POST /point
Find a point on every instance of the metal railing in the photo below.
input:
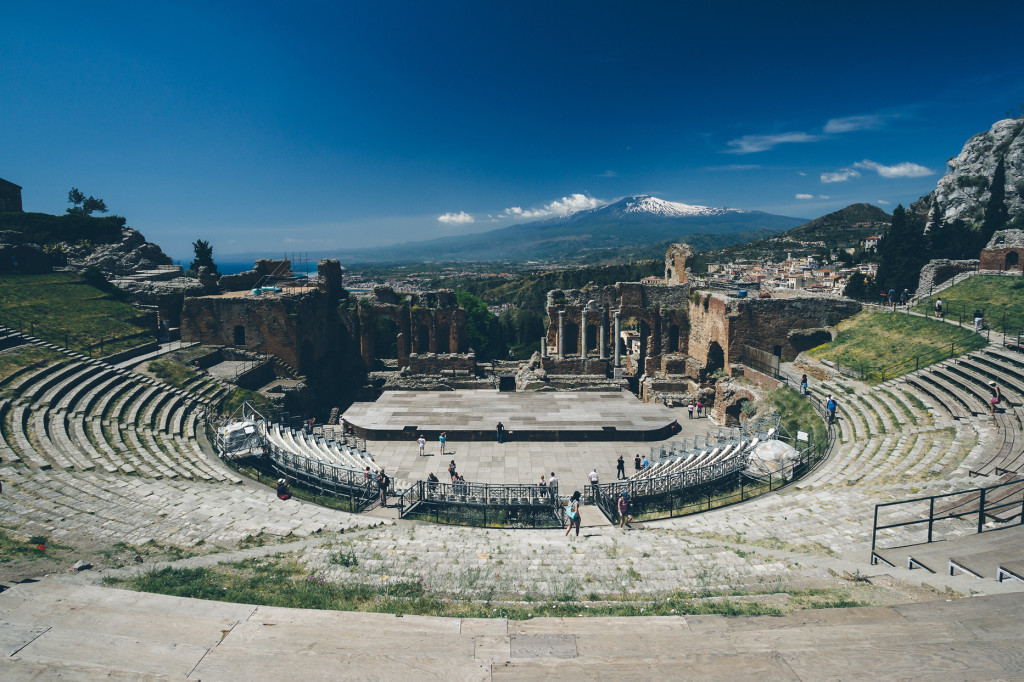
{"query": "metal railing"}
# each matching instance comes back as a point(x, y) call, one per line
point(327, 479)
point(977, 504)
point(521, 505)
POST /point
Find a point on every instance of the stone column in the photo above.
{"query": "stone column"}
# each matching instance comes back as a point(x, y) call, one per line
point(561, 334)
point(543, 346)
point(583, 333)
point(617, 340)
point(602, 351)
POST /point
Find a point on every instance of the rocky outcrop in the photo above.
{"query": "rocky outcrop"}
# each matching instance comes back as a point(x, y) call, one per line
point(131, 254)
point(965, 189)
point(17, 256)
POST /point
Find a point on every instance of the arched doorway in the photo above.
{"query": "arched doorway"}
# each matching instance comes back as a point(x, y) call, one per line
point(716, 359)
point(1012, 259)
point(422, 338)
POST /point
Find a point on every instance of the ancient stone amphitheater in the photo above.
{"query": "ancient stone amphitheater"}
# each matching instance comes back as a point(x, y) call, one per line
point(94, 454)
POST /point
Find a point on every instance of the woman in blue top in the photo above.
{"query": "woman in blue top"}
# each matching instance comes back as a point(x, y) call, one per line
point(442, 439)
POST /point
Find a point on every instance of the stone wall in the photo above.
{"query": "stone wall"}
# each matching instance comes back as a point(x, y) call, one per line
point(770, 323)
point(1004, 252)
point(438, 364)
point(937, 271)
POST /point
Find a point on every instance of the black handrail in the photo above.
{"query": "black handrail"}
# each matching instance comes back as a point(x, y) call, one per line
point(983, 509)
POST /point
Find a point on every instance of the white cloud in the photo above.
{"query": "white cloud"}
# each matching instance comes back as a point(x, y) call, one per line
point(804, 196)
point(842, 175)
point(824, 196)
point(460, 217)
point(849, 124)
point(564, 206)
point(883, 202)
point(749, 144)
point(608, 174)
point(900, 170)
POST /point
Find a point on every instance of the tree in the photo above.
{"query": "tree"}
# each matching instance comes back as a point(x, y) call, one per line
point(482, 327)
point(204, 257)
point(902, 252)
point(857, 287)
point(83, 205)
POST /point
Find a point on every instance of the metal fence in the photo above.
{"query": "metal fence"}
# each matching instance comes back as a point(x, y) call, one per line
point(485, 504)
point(1002, 501)
point(327, 479)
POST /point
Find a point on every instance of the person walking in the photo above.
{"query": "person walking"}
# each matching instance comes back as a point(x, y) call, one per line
point(978, 319)
point(905, 298)
point(646, 463)
point(594, 480)
point(573, 512)
point(831, 405)
point(623, 510)
point(620, 468)
point(383, 482)
point(689, 411)
point(938, 308)
point(451, 470)
point(442, 439)
point(803, 385)
point(553, 487)
point(543, 485)
point(892, 299)
point(637, 466)
point(501, 433)
point(422, 442)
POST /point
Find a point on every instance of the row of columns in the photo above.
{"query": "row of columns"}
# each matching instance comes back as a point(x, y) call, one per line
point(602, 338)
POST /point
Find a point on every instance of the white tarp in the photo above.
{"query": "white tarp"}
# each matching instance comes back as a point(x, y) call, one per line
point(771, 457)
point(235, 435)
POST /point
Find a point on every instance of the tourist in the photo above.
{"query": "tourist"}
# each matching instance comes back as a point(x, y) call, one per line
point(978, 319)
point(573, 512)
point(442, 439)
point(367, 476)
point(646, 463)
point(892, 298)
point(997, 396)
point(432, 481)
point(689, 411)
point(382, 482)
point(637, 465)
point(885, 298)
point(282, 490)
point(553, 487)
point(543, 484)
point(623, 510)
point(593, 479)
point(422, 442)
point(831, 405)
point(905, 298)
point(700, 406)
point(803, 385)
point(451, 470)
point(938, 308)
point(620, 468)
point(501, 433)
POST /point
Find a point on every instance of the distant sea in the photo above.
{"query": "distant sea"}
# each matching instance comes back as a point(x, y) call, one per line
point(232, 267)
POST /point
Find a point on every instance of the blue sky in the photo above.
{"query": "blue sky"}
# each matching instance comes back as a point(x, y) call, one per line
point(310, 126)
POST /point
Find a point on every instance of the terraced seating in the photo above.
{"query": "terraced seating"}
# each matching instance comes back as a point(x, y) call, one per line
point(951, 404)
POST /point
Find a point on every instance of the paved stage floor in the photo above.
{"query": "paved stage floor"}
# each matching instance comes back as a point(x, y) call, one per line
point(521, 412)
point(524, 462)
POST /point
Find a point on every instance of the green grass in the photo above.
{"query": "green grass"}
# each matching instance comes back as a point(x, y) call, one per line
point(797, 414)
point(14, 548)
point(15, 358)
point(873, 341)
point(996, 296)
point(62, 309)
point(173, 373)
point(273, 582)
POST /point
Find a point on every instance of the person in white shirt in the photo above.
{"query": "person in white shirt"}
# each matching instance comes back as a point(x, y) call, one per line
point(423, 445)
point(594, 479)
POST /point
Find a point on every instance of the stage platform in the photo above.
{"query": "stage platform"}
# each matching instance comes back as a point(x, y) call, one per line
point(527, 416)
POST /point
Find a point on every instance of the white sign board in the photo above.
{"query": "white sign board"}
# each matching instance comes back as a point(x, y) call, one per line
point(802, 435)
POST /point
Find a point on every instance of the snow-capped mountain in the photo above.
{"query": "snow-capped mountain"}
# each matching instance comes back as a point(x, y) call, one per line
point(628, 226)
point(653, 206)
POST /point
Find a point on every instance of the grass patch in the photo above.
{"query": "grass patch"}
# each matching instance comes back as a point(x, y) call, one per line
point(61, 308)
point(15, 358)
point(283, 582)
point(238, 396)
point(995, 296)
point(171, 372)
point(872, 341)
point(797, 414)
point(14, 548)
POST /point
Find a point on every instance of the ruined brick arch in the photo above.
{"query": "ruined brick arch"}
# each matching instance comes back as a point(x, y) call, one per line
point(731, 411)
point(1012, 260)
point(715, 358)
point(443, 338)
